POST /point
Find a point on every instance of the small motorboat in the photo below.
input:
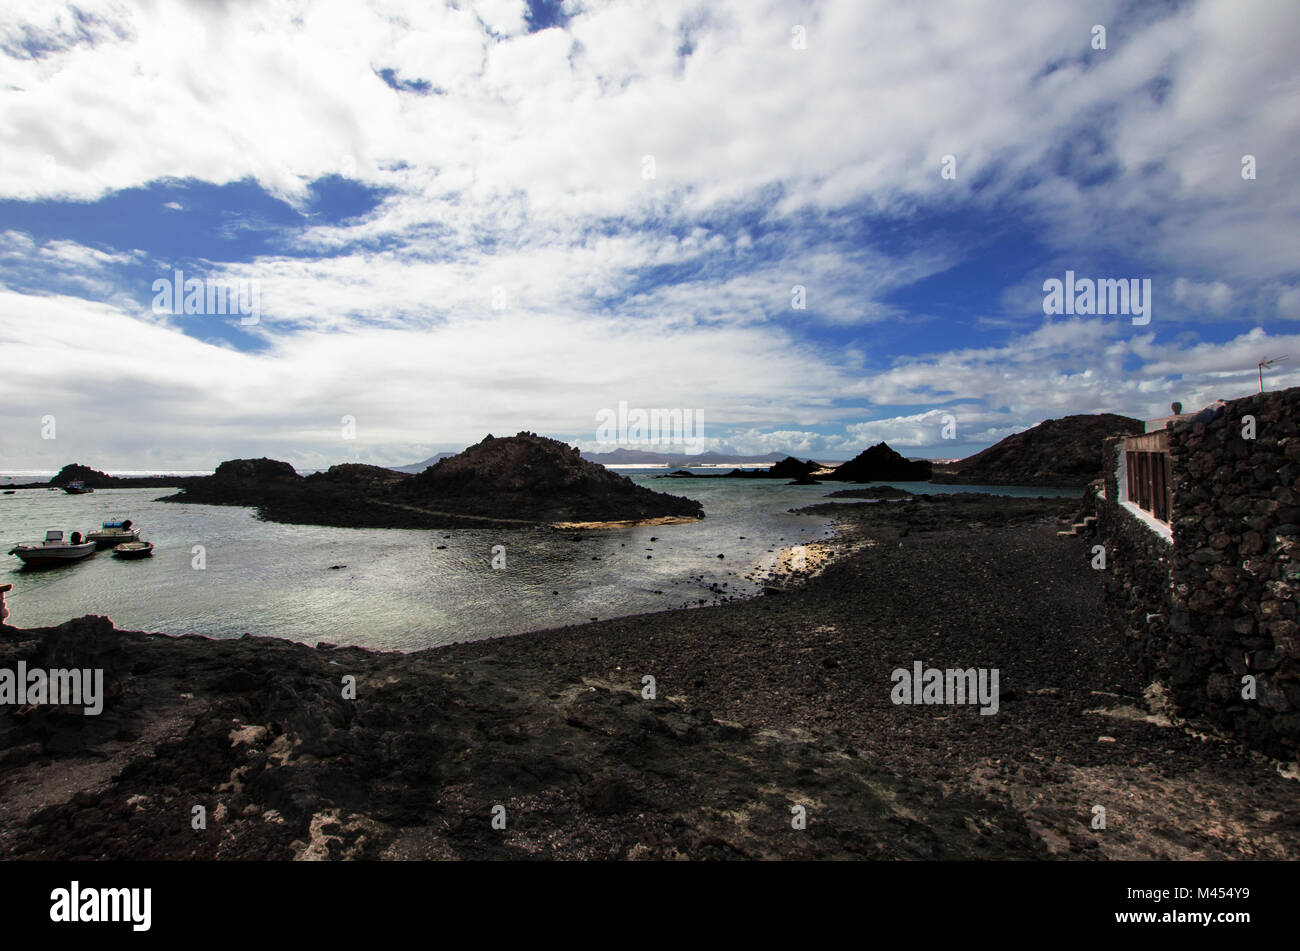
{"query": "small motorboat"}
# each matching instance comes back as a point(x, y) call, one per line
point(10, 491)
point(54, 550)
point(133, 550)
point(115, 532)
point(77, 488)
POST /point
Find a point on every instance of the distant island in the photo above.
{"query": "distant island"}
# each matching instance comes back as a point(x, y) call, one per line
point(94, 479)
point(877, 464)
point(641, 457)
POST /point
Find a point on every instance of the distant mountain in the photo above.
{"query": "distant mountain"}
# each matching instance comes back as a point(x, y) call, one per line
point(640, 457)
point(415, 468)
point(1062, 452)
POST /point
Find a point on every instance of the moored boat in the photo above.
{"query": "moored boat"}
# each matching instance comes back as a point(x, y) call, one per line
point(54, 550)
point(115, 532)
point(133, 550)
point(77, 488)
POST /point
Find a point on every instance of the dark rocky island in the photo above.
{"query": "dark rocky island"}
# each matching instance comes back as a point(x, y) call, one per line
point(1064, 453)
point(881, 464)
point(94, 479)
point(519, 480)
point(533, 478)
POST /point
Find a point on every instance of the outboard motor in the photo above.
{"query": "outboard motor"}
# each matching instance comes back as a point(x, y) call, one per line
point(76, 538)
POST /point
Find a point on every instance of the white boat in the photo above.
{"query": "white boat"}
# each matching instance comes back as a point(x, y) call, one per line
point(115, 532)
point(77, 488)
point(54, 550)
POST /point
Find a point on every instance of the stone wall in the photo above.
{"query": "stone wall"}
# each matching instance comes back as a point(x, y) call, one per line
point(1218, 603)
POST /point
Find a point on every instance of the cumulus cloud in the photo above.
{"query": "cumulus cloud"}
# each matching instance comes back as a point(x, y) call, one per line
point(621, 207)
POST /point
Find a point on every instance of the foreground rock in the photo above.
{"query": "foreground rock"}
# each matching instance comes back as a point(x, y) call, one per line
point(762, 705)
point(1062, 452)
point(257, 732)
point(520, 480)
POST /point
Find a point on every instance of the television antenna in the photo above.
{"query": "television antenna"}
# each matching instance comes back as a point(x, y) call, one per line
point(1269, 364)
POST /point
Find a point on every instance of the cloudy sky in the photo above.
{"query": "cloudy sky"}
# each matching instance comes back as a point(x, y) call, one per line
point(496, 215)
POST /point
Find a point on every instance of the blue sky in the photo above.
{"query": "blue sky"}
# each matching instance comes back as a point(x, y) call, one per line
point(509, 215)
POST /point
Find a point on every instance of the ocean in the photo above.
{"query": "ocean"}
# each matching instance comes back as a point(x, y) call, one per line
point(399, 589)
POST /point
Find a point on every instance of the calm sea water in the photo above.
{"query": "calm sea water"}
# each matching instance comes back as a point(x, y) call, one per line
point(400, 589)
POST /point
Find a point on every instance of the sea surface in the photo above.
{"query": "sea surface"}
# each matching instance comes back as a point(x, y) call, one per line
point(402, 589)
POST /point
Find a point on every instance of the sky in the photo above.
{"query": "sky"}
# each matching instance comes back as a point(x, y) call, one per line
point(816, 225)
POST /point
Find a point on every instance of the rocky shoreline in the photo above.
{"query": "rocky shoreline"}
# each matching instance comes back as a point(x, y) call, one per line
point(761, 706)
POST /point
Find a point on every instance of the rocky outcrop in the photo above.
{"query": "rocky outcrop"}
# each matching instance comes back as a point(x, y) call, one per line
point(880, 464)
point(75, 472)
point(792, 468)
point(288, 765)
point(520, 480)
point(93, 478)
point(533, 478)
point(1062, 452)
point(356, 474)
point(253, 471)
point(787, 468)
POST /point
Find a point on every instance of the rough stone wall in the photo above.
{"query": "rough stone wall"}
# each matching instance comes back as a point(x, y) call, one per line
point(1138, 570)
point(1219, 603)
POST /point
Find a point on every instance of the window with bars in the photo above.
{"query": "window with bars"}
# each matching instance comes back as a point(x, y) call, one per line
point(1149, 474)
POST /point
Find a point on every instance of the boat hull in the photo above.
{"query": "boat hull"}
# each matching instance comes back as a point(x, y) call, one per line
point(42, 557)
point(134, 550)
point(111, 539)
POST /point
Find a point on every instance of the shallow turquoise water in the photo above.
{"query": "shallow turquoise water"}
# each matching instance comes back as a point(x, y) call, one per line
point(398, 589)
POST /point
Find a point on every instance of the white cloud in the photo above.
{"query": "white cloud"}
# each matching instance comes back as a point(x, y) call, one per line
point(1288, 303)
point(564, 117)
point(1215, 297)
point(520, 167)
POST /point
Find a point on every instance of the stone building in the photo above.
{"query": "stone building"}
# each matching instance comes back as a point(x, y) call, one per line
point(1201, 528)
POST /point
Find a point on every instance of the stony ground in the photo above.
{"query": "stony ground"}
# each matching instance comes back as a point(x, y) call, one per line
point(761, 706)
